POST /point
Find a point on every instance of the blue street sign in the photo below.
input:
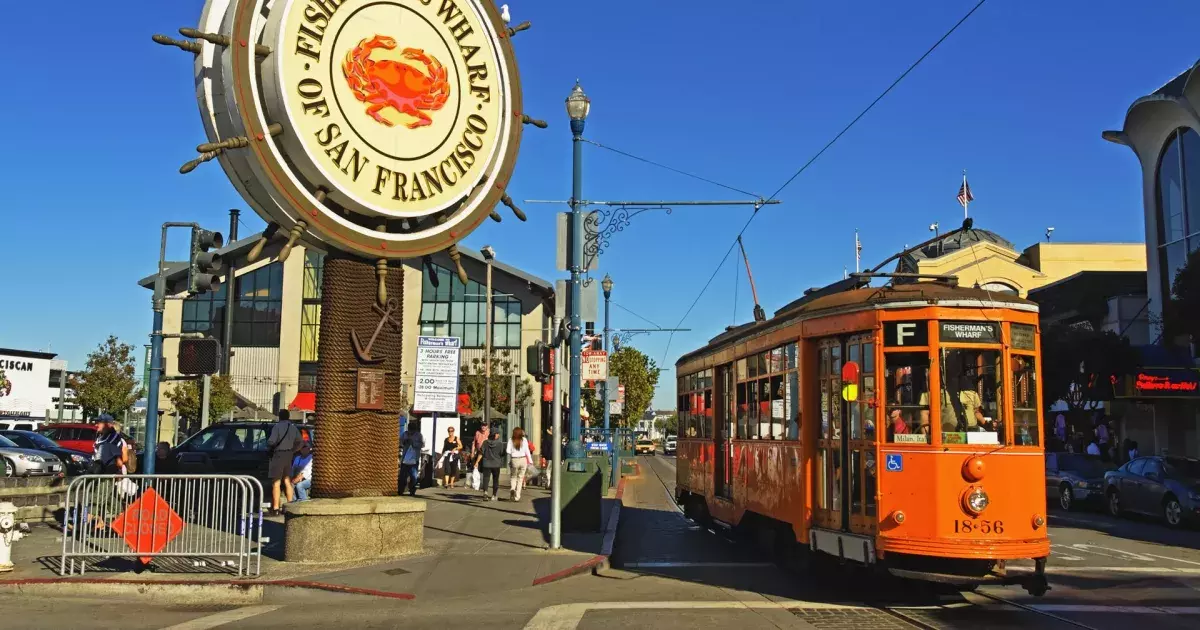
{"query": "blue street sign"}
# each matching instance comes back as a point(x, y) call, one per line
point(598, 446)
point(895, 462)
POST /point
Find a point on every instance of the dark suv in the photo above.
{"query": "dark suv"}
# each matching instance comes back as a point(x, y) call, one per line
point(232, 448)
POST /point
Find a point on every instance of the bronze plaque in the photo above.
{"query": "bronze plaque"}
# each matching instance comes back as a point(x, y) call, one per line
point(370, 390)
point(1022, 337)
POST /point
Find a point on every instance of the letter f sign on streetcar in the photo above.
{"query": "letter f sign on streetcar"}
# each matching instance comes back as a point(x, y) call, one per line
point(907, 334)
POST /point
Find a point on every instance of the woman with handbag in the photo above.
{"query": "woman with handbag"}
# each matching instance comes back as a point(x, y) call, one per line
point(518, 463)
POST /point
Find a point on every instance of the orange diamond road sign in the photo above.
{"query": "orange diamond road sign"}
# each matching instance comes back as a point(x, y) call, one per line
point(148, 524)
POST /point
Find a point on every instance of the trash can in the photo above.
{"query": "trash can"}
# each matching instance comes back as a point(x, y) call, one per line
point(582, 488)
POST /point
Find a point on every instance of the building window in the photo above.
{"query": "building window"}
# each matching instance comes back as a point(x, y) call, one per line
point(451, 309)
point(1000, 287)
point(205, 313)
point(260, 303)
point(1178, 203)
point(310, 314)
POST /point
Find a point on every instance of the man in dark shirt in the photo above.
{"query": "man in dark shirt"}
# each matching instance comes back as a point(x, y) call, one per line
point(281, 444)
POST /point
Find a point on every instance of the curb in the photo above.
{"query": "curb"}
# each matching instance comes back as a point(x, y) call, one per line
point(181, 591)
point(599, 563)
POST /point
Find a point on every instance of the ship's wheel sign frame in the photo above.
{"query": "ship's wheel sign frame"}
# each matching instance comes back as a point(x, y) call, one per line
point(382, 128)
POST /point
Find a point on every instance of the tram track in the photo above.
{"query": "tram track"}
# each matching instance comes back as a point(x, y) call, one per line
point(910, 615)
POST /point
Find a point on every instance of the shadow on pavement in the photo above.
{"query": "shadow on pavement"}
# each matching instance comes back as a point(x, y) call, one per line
point(1129, 527)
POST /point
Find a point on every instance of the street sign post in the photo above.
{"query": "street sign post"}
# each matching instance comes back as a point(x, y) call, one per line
point(437, 374)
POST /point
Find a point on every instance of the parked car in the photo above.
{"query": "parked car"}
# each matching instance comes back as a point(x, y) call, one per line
point(74, 462)
point(27, 462)
point(234, 448)
point(1073, 479)
point(669, 445)
point(78, 436)
point(644, 446)
point(1166, 487)
point(23, 424)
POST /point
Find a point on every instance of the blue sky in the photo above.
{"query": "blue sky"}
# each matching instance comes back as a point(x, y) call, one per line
point(99, 118)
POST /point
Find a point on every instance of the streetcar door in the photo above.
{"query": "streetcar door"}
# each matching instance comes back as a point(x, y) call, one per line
point(724, 417)
point(846, 475)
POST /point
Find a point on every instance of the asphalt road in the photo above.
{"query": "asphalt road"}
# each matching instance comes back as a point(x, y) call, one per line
point(1105, 573)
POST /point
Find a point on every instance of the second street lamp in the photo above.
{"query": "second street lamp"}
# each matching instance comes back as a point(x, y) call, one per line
point(578, 106)
point(607, 285)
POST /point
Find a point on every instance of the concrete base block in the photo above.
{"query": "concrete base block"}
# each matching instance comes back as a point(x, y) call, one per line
point(357, 528)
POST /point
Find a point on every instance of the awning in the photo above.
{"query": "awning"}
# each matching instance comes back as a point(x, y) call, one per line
point(304, 401)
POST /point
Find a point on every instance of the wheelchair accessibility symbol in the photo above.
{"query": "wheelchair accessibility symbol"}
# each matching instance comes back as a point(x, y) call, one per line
point(895, 462)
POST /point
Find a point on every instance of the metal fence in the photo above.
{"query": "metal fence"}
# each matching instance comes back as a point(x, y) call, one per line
point(201, 518)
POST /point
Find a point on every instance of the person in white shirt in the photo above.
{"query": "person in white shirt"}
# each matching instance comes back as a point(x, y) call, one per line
point(519, 458)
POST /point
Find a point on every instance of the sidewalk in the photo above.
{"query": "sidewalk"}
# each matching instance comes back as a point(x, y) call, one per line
point(471, 547)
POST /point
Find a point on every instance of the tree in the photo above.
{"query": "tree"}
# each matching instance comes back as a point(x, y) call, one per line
point(1080, 365)
point(1182, 312)
point(187, 395)
point(638, 373)
point(668, 425)
point(109, 384)
point(473, 383)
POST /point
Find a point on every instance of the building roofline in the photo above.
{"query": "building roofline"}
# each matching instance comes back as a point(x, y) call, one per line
point(1080, 274)
point(29, 354)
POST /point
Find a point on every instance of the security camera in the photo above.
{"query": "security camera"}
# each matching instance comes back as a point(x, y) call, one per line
point(488, 252)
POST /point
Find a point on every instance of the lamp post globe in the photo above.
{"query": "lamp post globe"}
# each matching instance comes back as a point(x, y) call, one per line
point(607, 285)
point(578, 106)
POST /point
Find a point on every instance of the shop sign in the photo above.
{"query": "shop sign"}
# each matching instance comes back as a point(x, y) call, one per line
point(1166, 383)
point(387, 129)
point(969, 332)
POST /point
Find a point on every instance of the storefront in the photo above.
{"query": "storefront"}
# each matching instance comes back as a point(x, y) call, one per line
point(25, 384)
point(1159, 406)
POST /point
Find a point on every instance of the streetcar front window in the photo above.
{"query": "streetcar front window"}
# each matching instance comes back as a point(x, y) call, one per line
point(971, 397)
point(907, 389)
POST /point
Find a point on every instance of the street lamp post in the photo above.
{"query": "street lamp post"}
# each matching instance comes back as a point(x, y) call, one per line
point(578, 106)
point(489, 255)
point(607, 285)
point(614, 444)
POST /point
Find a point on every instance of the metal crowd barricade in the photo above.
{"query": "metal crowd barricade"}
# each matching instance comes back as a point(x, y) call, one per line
point(201, 518)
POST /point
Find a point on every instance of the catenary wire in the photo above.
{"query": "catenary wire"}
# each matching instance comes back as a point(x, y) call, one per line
point(634, 314)
point(672, 169)
point(814, 158)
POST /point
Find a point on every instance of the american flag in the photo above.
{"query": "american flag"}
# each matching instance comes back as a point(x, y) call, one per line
point(964, 193)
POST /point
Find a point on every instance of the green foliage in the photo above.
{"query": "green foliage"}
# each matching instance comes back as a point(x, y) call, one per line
point(474, 383)
point(668, 425)
point(1182, 313)
point(186, 397)
point(109, 384)
point(1078, 364)
point(638, 374)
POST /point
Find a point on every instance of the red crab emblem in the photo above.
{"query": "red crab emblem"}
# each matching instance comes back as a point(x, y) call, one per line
point(387, 83)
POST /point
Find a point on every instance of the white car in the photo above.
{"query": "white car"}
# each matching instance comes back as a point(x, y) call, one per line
point(25, 462)
point(21, 425)
point(669, 445)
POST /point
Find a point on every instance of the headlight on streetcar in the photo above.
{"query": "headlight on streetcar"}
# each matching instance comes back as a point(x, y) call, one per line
point(975, 501)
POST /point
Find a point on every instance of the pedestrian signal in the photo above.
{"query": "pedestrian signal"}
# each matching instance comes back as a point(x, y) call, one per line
point(198, 357)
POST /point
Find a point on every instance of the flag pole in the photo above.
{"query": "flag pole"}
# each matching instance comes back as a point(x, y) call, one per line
point(857, 253)
point(965, 202)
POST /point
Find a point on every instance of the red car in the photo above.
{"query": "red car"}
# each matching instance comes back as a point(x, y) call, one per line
point(79, 436)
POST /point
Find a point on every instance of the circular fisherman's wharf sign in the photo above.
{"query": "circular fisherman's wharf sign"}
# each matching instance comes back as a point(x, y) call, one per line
point(386, 128)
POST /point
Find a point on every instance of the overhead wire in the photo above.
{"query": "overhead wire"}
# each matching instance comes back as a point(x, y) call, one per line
point(815, 157)
point(634, 314)
point(672, 169)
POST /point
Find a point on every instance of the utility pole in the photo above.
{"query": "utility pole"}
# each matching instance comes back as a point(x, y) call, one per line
point(205, 396)
point(230, 274)
point(578, 106)
point(556, 453)
point(62, 392)
point(488, 255)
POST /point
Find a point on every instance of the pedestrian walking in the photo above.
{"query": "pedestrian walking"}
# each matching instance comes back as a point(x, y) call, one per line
point(451, 454)
point(411, 445)
point(488, 461)
point(481, 435)
point(519, 458)
point(282, 444)
point(110, 452)
point(548, 454)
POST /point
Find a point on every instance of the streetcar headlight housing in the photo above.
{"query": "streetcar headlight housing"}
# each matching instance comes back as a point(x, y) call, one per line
point(1038, 521)
point(975, 501)
point(898, 516)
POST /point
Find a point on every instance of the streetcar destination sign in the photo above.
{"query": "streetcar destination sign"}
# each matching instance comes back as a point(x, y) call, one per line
point(384, 128)
point(436, 387)
point(970, 332)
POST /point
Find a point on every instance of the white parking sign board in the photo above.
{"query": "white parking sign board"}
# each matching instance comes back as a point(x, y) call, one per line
point(437, 374)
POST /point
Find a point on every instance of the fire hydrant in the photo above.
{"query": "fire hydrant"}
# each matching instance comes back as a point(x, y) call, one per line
point(9, 534)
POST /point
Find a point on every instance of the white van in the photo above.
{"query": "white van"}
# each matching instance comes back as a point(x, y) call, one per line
point(21, 424)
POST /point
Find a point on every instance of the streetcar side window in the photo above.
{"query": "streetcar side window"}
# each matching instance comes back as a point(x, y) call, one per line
point(1025, 401)
point(742, 411)
point(971, 397)
point(906, 376)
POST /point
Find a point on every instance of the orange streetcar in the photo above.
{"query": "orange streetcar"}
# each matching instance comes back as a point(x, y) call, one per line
point(898, 427)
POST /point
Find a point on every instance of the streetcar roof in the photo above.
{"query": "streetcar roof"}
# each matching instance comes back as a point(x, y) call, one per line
point(830, 300)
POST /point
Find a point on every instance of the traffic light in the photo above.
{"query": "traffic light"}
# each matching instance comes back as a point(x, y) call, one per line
point(198, 357)
point(203, 272)
point(537, 361)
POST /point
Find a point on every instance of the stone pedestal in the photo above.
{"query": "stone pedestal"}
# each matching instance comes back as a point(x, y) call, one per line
point(357, 528)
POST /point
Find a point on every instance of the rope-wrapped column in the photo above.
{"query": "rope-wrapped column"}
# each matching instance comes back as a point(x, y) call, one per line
point(356, 452)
